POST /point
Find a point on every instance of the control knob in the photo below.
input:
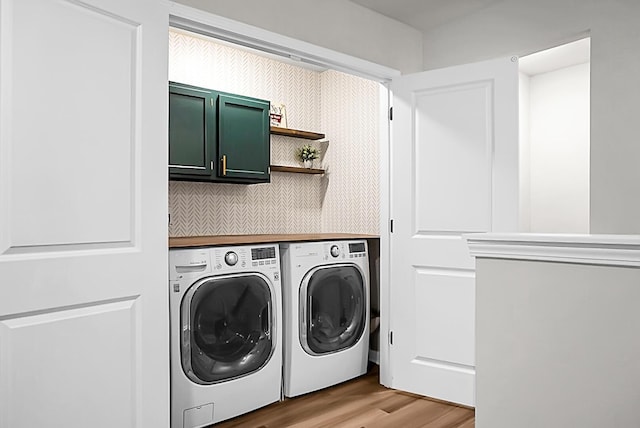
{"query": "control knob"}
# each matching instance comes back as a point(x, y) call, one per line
point(231, 258)
point(335, 250)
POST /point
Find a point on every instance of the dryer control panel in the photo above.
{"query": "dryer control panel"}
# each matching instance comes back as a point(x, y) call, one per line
point(357, 249)
point(334, 251)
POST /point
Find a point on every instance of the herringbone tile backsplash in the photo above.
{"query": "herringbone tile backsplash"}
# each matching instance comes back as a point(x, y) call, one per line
point(342, 106)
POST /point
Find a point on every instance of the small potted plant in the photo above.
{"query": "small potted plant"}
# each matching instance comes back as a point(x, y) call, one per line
point(307, 154)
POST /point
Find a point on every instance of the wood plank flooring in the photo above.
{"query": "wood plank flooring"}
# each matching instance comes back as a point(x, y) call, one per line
point(360, 403)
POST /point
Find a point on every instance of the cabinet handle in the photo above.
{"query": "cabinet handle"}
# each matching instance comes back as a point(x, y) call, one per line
point(224, 164)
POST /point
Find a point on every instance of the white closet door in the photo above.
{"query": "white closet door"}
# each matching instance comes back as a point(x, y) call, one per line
point(83, 214)
point(454, 170)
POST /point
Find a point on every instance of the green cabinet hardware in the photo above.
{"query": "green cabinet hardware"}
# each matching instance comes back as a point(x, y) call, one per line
point(217, 137)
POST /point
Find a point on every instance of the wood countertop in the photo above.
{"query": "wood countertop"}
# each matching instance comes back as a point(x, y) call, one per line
point(207, 241)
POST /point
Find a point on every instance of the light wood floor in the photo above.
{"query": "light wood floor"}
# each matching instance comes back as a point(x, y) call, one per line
point(360, 403)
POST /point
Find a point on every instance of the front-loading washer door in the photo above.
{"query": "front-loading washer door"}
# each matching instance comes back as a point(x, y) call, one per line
point(332, 309)
point(227, 327)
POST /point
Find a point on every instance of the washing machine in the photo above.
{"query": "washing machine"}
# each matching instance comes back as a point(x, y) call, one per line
point(326, 313)
point(226, 332)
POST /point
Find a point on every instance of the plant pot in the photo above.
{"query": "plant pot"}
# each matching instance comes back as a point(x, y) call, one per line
point(308, 163)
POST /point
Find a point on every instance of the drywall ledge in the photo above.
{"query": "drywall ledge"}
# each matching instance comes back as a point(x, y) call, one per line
point(608, 250)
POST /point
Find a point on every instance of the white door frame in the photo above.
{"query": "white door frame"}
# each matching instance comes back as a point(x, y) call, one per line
point(198, 21)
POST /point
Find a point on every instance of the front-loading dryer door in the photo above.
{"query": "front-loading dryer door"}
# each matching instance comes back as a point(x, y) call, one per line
point(227, 327)
point(332, 308)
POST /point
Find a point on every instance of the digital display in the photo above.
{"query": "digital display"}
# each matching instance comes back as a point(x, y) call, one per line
point(263, 253)
point(356, 248)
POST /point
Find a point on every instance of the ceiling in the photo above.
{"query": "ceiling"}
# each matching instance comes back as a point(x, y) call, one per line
point(425, 14)
point(567, 55)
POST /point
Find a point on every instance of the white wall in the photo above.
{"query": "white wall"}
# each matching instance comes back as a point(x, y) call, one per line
point(557, 345)
point(518, 27)
point(334, 24)
point(524, 154)
point(558, 149)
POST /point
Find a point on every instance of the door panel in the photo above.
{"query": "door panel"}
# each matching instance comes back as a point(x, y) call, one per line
point(444, 328)
point(83, 134)
point(453, 171)
point(453, 147)
point(76, 132)
point(62, 350)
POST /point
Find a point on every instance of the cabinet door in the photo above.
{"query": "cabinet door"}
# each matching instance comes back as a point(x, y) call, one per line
point(243, 138)
point(192, 131)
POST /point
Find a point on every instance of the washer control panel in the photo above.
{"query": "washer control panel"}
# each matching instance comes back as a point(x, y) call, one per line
point(242, 257)
point(262, 256)
point(229, 258)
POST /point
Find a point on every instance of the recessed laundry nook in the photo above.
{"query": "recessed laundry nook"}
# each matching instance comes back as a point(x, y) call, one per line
point(274, 262)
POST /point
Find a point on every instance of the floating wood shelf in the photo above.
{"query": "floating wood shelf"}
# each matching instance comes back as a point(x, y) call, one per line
point(297, 170)
point(296, 133)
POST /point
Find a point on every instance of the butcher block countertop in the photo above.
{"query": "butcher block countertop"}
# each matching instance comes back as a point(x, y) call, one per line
point(207, 241)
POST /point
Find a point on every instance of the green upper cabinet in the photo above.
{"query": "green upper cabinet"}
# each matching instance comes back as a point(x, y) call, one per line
point(243, 137)
point(192, 131)
point(218, 137)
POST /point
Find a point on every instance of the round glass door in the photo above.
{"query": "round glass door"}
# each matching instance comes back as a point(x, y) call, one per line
point(229, 321)
point(333, 304)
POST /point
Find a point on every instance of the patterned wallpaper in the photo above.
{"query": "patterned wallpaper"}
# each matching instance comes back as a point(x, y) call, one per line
point(343, 107)
point(350, 114)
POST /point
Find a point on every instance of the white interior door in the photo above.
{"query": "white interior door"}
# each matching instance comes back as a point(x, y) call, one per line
point(454, 170)
point(83, 214)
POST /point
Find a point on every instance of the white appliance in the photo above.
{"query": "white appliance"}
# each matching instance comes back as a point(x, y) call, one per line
point(226, 332)
point(326, 313)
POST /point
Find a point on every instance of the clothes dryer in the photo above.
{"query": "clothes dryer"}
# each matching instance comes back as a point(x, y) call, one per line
point(326, 313)
point(226, 332)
